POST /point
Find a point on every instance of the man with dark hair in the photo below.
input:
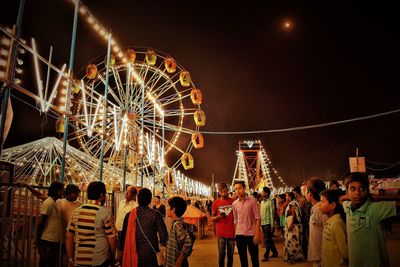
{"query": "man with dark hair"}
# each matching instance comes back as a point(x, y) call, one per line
point(366, 240)
point(49, 232)
point(159, 206)
point(91, 236)
point(66, 207)
point(125, 206)
point(97, 191)
point(256, 195)
point(317, 221)
point(267, 214)
point(180, 242)
point(222, 216)
point(247, 221)
point(148, 224)
point(334, 184)
point(68, 204)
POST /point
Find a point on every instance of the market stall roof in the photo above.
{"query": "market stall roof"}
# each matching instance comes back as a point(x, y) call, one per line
point(193, 212)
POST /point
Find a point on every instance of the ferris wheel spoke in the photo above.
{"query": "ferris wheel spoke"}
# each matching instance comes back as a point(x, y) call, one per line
point(153, 79)
point(135, 99)
point(166, 87)
point(166, 141)
point(175, 128)
point(132, 89)
point(111, 91)
point(178, 112)
point(92, 144)
point(172, 99)
point(150, 121)
point(118, 82)
point(109, 147)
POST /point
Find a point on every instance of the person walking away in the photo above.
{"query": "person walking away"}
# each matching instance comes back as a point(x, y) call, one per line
point(317, 221)
point(292, 251)
point(334, 240)
point(124, 207)
point(49, 232)
point(222, 216)
point(366, 240)
point(267, 212)
point(159, 206)
point(247, 221)
point(141, 226)
point(91, 234)
point(181, 236)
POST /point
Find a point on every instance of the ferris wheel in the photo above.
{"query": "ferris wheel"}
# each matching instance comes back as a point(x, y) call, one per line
point(153, 108)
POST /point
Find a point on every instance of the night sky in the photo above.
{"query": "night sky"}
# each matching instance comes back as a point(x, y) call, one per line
point(340, 60)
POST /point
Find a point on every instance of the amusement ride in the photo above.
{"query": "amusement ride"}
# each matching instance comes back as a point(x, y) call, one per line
point(127, 109)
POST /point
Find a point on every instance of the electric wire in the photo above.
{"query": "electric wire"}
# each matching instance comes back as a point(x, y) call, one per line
point(299, 128)
point(383, 169)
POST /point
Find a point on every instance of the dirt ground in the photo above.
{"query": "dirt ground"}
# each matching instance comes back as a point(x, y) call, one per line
point(205, 252)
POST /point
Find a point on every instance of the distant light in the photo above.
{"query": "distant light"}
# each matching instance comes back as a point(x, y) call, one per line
point(288, 25)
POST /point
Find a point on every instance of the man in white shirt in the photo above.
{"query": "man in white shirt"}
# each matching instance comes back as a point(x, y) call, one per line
point(65, 207)
point(125, 206)
point(48, 233)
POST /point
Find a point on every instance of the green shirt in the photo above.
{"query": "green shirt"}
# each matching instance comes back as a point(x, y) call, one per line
point(334, 243)
point(367, 243)
point(267, 212)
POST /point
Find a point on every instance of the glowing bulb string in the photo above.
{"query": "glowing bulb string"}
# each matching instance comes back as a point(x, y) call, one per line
point(299, 128)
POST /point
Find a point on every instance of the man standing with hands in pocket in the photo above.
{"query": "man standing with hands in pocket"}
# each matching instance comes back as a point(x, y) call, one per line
point(247, 221)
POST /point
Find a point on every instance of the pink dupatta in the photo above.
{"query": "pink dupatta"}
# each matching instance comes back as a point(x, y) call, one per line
point(130, 258)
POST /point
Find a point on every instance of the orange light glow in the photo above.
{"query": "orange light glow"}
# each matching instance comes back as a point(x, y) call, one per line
point(287, 25)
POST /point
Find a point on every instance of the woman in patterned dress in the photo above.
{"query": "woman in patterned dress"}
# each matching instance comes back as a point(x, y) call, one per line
point(292, 250)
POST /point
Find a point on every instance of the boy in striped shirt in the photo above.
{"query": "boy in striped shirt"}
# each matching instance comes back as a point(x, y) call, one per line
point(91, 233)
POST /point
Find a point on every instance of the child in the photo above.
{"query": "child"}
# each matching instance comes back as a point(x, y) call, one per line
point(334, 244)
point(366, 241)
point(181, 237)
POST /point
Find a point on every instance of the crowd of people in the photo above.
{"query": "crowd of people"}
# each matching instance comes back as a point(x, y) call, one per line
point(72, 233)
point(328, 227)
